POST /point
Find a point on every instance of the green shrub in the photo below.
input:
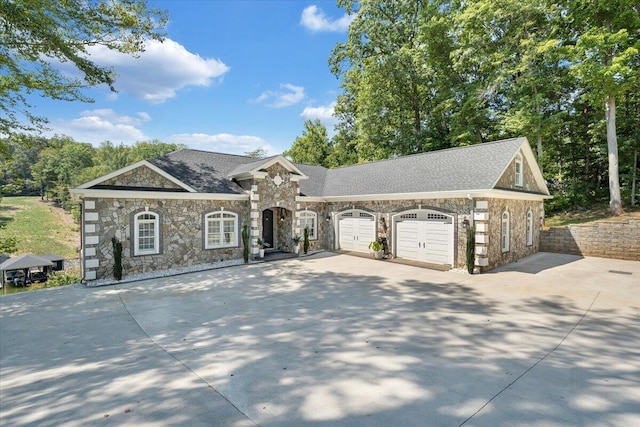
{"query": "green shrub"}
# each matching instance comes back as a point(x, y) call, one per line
point(245, 243)
point(471, 248)
point(62, 278)
point(305, 243)
point(117, 258)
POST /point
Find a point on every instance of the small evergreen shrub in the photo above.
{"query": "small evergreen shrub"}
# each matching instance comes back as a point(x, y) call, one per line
point(117, 258)
point(305, 243)
point(471, 248)
point(245, 243)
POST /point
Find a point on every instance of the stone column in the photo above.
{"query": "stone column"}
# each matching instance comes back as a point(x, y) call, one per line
point(254, 197)
point(481, 220)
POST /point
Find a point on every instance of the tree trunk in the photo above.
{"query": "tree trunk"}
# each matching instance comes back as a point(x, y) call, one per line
point(615, 201)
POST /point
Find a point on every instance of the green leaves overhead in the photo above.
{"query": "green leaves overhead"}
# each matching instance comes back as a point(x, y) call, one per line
point(420, 75)
point(39, 35)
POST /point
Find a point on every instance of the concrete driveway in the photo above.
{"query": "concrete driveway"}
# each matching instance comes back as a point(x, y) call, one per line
point(331, 340)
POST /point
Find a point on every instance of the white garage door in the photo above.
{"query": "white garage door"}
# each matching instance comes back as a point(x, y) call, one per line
point(356, 229)
point(425, 237)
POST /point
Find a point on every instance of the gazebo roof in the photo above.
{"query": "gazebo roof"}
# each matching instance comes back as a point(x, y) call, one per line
point(24, 261)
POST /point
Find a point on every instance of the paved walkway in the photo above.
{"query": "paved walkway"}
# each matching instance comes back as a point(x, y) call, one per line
point(331, 340)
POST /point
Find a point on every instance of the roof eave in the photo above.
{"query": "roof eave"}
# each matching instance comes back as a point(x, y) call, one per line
point(137, 194)
point(457, 194)
point(131, 167)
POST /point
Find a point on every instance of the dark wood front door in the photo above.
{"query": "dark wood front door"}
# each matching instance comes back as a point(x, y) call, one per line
point(267, 227)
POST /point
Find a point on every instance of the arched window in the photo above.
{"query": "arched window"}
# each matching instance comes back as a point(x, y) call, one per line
point(505, 232)
point(146, 233)
point(221, 230)
point(309, 219)
point(518, 170)
point(529, 228)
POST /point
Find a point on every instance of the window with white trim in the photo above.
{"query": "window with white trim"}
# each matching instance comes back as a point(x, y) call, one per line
point(505, 232)
point(146, 233)
point(518, 170)
point(309, 219)
point(529, 228)
point(221, 230)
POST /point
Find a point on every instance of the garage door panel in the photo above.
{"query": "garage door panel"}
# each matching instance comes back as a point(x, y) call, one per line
point(347, 237)
point(425, 240)
point(355, 234)
point(407, 240)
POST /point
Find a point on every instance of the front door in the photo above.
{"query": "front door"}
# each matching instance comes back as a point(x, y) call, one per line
point(267, 227)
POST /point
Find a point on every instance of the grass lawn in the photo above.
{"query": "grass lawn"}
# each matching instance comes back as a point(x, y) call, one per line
point(589, 215)
point(39, 227)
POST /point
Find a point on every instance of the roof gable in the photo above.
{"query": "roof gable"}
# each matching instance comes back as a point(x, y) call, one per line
point(257, 168)
point(141, 164)
point(531, 162)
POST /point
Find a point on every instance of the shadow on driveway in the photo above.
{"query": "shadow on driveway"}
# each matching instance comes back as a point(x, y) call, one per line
point(331, 340)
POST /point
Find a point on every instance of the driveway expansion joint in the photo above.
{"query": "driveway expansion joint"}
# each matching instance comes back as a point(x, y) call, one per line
point(530, 368)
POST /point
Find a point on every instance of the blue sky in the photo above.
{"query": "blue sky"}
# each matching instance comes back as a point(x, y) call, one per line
point(231, 76)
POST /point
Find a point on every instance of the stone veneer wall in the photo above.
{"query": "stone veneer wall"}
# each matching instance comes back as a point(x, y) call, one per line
point(508, 179)
point(489, 226)
point(266, 193)
point(606, 239)
point(459, 208)
point(181, 229)
point(322, 242)
point(141, 177)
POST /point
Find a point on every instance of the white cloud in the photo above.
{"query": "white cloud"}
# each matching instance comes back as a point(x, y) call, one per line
point(99, 125)
point(314, 19)
point(222, 142)
point(324, 113)
point(287, 95)
point(160, 71)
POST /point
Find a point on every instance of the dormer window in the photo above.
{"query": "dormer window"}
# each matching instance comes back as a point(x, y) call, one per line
point(518, 170)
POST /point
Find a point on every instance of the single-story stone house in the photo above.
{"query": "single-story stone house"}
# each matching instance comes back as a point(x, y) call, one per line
point(188, 207)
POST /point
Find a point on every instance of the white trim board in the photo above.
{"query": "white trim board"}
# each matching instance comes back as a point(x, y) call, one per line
point(141, 194)
point(136, 166)
point(476, 194)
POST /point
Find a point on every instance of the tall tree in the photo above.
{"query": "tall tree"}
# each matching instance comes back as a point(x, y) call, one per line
point(511, 48)
point(38, 34)
point(312, 147)
point(605, 44)
point(385, 78)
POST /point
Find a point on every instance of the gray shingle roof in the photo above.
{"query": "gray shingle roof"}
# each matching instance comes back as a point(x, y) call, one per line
point(249, 166)
point(475, 167)
point(204, 171)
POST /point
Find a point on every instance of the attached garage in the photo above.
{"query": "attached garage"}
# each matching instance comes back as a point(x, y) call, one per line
point(424, 236)
point(356, 230)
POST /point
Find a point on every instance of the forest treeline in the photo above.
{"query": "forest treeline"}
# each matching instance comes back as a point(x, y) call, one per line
point(49, 167)
point(415, 76)
point(422, 75)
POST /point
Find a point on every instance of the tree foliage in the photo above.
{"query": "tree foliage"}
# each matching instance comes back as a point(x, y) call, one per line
point(312, 147)
point(50, 166)
point(421, 75)
point(38, 36)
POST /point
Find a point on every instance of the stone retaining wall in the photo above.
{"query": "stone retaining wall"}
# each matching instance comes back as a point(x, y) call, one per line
point(607, 239)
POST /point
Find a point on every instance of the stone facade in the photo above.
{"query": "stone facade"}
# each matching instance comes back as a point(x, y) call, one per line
point(606, 239)
point(142, 177)
point(508, 179)
point(276, 188)
point(181, 234)
point(277, 191)
point(518, 247)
